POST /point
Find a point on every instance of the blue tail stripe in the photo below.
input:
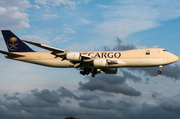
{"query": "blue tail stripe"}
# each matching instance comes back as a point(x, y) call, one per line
point(13, 43)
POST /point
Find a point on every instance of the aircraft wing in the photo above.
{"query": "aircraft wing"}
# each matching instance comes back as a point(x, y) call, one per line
point(45, 46)
point(55, 51)
point(10, 54)
point(62, 53)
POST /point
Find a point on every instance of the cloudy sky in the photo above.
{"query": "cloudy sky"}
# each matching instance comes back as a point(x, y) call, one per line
point(32, 91)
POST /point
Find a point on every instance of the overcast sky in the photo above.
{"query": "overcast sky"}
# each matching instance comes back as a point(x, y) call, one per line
point(32, 91)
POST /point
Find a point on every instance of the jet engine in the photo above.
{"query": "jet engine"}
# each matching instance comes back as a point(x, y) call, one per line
point(110, 70)
point(100, 62)
point(74, 56)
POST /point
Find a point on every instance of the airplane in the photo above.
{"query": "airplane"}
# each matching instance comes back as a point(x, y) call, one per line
point(87, 62)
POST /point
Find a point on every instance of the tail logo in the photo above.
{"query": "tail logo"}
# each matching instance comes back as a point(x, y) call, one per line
point(12, 44)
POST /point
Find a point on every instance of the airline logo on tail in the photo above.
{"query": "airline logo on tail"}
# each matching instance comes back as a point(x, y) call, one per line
point(12, 43)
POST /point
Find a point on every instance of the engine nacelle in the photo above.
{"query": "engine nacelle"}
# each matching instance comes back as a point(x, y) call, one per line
point(110, 70)
point(100, 63)
point(74, 56)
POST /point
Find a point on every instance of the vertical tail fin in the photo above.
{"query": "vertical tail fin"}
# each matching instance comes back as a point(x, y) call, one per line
point(13, 43)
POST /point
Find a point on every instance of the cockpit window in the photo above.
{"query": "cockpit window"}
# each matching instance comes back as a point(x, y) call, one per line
point(164, 50)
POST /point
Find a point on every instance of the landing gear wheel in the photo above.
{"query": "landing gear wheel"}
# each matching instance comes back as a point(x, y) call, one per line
point(160, 66)
point(93, 75)
point(85, 71)
point(82, 72)
point(159, 72)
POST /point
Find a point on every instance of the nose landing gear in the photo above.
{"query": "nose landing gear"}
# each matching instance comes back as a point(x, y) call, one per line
point(159, 72)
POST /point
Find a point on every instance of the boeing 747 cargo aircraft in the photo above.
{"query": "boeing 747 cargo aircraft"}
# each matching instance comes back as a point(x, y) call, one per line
point(93, 62)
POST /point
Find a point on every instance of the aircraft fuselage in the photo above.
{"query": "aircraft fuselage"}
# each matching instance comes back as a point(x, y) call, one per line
point(130, 58)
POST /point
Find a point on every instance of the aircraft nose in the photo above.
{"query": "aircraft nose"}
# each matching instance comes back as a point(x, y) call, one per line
point(176, 58)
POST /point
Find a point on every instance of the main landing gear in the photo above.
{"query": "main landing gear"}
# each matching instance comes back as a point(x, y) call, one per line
point(86, 71)
point(94, 73)
point(159, 72)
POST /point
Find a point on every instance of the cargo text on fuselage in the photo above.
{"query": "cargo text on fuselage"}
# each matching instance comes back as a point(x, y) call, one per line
point(103, 54)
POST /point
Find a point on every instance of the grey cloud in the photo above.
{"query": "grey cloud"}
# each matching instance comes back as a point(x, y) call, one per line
point(88, 97)
point(44, 98)
point(4, 113)
point(65, 111)
point(107, 105)
point(149, 111)
point(34, 106)
point(108, 83)
point(67, 93)
point(171, 104)
point(48, 96)
point(119, 46)
point(32, 101)
point(68, 101)
point(171, 71)
point(110, 79)
point(116, 79)
point(129, 76)
point(14, 97)
point(155, 94)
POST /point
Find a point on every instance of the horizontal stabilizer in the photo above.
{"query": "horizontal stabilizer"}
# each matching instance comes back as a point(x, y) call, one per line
point(10, 54)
